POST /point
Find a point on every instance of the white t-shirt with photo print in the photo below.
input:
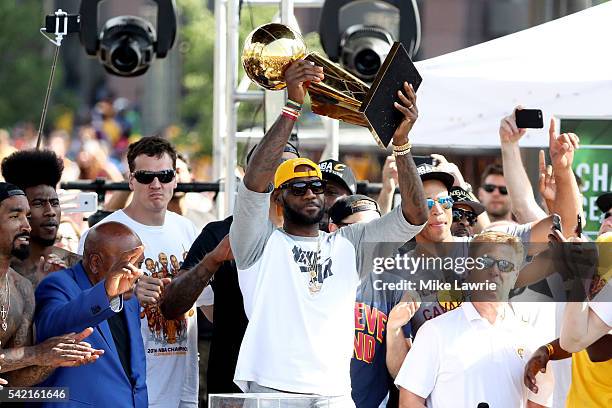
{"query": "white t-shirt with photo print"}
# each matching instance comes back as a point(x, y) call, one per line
point(171, 347)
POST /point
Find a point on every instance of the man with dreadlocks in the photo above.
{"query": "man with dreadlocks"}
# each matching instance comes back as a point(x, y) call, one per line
point(37, 172)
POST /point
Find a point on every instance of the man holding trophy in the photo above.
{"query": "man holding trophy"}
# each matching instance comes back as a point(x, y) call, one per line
point(299, 284)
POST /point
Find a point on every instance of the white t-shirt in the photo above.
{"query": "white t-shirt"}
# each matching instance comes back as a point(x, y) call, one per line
point(459, 359)
point(171, 347)
point(300, 336)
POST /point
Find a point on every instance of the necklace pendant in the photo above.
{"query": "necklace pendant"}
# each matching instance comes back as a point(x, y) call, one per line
point(314, 287)
point(4, 326)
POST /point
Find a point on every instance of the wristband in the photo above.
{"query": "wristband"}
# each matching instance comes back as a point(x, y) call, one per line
point(289, 114)
point(401, 153)
point(406, 146)
point(550, 348)
point(294, 105)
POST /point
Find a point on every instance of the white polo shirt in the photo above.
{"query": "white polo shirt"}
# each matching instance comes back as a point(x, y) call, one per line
point(459, 359)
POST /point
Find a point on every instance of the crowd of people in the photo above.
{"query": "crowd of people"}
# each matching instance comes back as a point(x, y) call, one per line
point(307, 284)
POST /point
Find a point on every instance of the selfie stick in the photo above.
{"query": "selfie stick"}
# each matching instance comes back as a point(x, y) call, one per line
point(61, 30)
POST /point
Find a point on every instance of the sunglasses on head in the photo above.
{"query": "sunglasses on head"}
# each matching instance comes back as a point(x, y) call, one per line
point(502, 264)
point(147, 177)
point(446, 202)
point(299, 188)
point(459, 213)
point(489, 188)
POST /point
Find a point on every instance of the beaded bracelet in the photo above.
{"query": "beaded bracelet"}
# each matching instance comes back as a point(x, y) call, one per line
point(405, 147)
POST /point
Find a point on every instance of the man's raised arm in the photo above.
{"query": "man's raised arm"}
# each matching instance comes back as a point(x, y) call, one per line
point(562, 149)
point(410, 185)
point(268, 153)
point(524, 205)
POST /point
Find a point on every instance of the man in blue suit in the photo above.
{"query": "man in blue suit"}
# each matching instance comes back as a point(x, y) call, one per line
point(97, 293)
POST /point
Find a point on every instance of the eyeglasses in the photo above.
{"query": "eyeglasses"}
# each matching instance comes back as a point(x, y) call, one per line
point(489, 188)
point(502, 264)
point(459, 213)
point(147, 177)
point(446, 202)
point(299, 188)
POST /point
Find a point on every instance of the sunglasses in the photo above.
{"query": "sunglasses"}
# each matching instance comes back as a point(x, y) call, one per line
point(459, 214)
point(147, 177)
point(489, 188)
point(299, 188)
point(502, 264)
point(446, 202)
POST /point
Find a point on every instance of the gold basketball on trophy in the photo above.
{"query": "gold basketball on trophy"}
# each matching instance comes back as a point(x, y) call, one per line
point(268, 51)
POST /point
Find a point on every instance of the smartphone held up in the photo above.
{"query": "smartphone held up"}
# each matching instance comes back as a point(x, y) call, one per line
point(529, 119)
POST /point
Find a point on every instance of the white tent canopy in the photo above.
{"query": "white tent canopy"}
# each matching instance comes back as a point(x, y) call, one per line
point(563, 67)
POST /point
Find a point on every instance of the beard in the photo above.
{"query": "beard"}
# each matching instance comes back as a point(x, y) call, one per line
point(298, 218)
point(42, 241)
point(21, 252)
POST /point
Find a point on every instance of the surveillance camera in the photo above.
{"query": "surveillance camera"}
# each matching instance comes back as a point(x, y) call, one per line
point(359, 33)
point(127, 45)
point(364, 48)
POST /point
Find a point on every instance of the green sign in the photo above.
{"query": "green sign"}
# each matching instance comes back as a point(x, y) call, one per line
point(592, 163)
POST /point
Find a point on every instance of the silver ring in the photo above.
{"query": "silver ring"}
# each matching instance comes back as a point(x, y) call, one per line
point(410, 107)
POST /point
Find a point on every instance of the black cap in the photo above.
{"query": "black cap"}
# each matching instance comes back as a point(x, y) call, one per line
point(289, 148)
point(339, 172)
point(604, 202)
point(349, 205)
point(429, 172)
point(9, 190)
point(460, 196)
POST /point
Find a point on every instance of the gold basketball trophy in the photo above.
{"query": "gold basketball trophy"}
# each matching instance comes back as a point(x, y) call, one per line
point(269, 49)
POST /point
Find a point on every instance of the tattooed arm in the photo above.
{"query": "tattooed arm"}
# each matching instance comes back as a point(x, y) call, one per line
point(410, 185)
point(183, 291)
point(26, 364)
point(267, 155)
point(19, 358)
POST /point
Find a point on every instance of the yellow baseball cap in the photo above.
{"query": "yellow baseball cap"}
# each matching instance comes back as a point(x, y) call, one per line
point(286, 171)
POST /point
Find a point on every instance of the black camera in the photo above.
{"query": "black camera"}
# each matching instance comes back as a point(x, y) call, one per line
point(360, 33)
point(127, 45)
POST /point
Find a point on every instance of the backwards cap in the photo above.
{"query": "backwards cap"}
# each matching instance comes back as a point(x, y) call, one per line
point(8, 190)
point(286, 171)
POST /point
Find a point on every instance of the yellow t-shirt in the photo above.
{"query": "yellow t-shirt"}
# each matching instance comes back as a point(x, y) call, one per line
point(591, 383)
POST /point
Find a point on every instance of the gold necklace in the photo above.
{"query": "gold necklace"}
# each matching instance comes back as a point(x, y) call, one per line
point(4, 312)
point(313, 284)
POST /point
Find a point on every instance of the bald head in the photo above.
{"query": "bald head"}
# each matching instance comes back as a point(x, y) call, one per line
point(110, 235)
point(104, 245)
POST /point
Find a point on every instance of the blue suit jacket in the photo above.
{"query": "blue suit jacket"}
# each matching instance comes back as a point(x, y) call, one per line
point(67, 302)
